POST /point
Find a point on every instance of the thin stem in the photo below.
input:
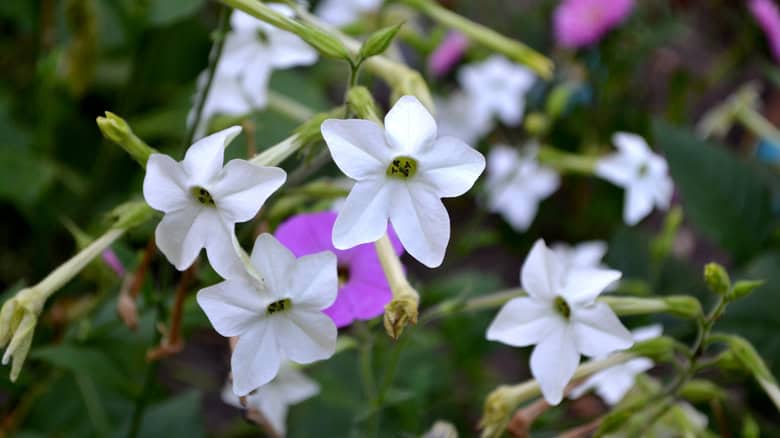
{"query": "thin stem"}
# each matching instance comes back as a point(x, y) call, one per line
point(289, 107)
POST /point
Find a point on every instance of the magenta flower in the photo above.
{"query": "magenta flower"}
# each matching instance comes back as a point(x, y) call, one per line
point(768, 17)
point(363, 288)
point(449, 52)
point(580, 23)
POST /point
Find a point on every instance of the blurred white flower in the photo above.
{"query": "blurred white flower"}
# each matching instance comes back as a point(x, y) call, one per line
point(202, 201)
point(498, 87)
point(643, 174)
point(613, 383)
point(277, 317)
point(273, 399)
point(582, 255)
point(456, 117)
point(516, 184)
point(401, 172)
point(561, 317)
point(343, 12)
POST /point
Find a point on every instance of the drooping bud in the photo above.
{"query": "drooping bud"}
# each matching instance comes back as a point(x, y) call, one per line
point(399, 313)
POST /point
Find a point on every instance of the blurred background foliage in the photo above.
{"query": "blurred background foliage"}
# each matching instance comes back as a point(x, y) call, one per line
point(62, 63)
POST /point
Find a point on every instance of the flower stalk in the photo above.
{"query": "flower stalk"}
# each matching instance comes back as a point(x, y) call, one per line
point(402, 309)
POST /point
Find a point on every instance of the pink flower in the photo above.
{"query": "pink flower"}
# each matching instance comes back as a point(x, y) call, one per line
point(110, 258)
point(768, 17)
point(449, 52)
point(580, 23)
point(363, 288)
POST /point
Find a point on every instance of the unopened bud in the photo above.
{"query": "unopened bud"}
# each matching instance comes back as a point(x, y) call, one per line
point(717, 278)
point(362, 103)
point(660, 349)
point(496, 412)
point(701, 391)
point(378, 42)
point(744, 288)
point(400, 312)
point(325, 43)
point(117, 130)
point(130, 214)
point(684, 306)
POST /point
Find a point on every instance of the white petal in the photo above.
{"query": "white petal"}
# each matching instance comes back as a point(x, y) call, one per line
point(273, 408)
point(544, 182)
point(541, 273)
point(288, 50)
point(409, 126)
point(502, 160)
point(614, 389)
point(181, 234)
point(275, 263)
point(583, 285)
point(256, 359)
point(242, 188)
point(523, 321)
point(553, 363)
point(597, 331)
point(203, 159)
point(639, 204)
point(663, 191)
point(363, 217)
point(647, 332)
point(222, 250)
point(306, 336)
point(315, 281)
point(254, 82)
point(358, 147)
point(518, 207)
point(165, 184)
point(296, 386)
point(241, 21)
point(588, 254)
point(632, 146)
point(450, 166)
point(239, 50)
point(617, 169)
point(510, 110)
point(421, 222)
point(232, 306)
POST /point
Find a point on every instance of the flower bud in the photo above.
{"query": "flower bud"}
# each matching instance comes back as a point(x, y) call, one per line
point(400, 312)
point(495, 415)
point(18, 319)
point(684, 306)
point(117, 130)
point(378, 42)
point(717, 278)
point(325, 43)
point(412, 83)
point(442, 429)
point(700, 391)
point(130, 214)
point(744, 288)
point(362, 103)
point(660, 349)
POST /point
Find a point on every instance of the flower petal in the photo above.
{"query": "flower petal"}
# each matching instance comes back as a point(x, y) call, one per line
point(541, 273)
point(450, 166)
point(553, 363)
point(203, 159)
point(232, 306)
point(274, 263)
point(307, 233)
point(288, 50)
point(181, 234)
point(409, 126)
point(632, 146)
point(358, 147)
point(314, 281)
point(523, 321)
point(242, 188)
point(256, 359)
point(165, 184)
point(639, 204)
point(597, 331)
point(363, 217)
point(296, 386)
point(222, 250)
point(306, 336)
point(583, 285)
point(617, 169)
point(422, 223)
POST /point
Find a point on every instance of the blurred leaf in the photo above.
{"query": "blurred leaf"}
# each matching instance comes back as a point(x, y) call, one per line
point(179, 416)
point(163, 12)
point(725, 198)
point(24, 177)
point(85, 360)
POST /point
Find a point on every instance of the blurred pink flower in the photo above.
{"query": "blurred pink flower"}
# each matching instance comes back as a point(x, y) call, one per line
point(110, 258)
point(768, 17)
point(363, 288)
point(449, 52)
point(580, 23)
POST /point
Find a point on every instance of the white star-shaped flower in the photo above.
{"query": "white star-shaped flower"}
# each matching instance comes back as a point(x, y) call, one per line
point(613, 383)
point(643, 174)
point(402, 171)
point(582, 255)
point(343, 12)
point(202, 201)
point(498, 87)
point(516, 184)
point(561, 317)
point(274, 399)
point(456, 117)
point(278, 317)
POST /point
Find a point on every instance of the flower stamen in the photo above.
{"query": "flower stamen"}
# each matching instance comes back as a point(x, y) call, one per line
point(279, 306)
point(562, 307)
point(203, 196)
point(402, 168)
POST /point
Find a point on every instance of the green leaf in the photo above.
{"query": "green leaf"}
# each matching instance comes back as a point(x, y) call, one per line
point(177, 416)
point(24, 177)
point(725, 198)
point(85, 360)
point(378, 42)
point(164, 12)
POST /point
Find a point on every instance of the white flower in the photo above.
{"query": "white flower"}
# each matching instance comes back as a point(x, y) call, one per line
point(643, 174)
point(278, 317)
point(562, 317)
point(516, 184)
point(402, 171)
point(613, 383)
point(202, 201)
point(273, 399)
point(498, 86)
point(456, 117)
point(343, 12)
point(582, 255)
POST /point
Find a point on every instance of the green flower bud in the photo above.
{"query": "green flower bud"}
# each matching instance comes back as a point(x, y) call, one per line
point(117, 130)
point(683, 306)
point(536, 124)
point(130, 214)
point(660, 349)
point(699, 391)
point(744, 288)
point(325, 43)
point(717, 278)
point(361, 102)
point(378, 42)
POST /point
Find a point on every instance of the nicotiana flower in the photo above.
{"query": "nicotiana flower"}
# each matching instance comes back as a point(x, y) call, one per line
point(449, 52)
point(274, 399)
point(613, 383)
point(456, 117)
point(401, 172)
point(562, 317)
point(516, 184)
point(767, 15)
point(277, 317)
point(363, 288)
point(643, 174)
point(582, 255)
point(202, 201)
point(343, 12)
point(498, 87)
point(580, 23)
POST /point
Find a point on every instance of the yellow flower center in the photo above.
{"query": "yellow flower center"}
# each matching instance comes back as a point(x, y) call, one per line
point(279, 306)
point(402, 168)
point(203, 196)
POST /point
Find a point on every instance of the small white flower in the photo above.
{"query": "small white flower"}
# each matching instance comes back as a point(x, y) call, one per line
point(280, 317)
point(498, 87)
point(516, 184)
point(562, 317)
point(643, 174)
point(343, 12)
point(273, 399)
point(582, 255)
point(613, 383)
point(202, 201)
point(456, 117)
point(402, 171)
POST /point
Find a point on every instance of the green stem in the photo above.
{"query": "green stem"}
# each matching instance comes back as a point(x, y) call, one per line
point(385, 384)
point(567, 162)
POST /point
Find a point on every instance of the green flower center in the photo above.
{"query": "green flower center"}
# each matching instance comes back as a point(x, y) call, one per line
point(562, 307)
point(279, 306)
point(402, 168)
point(643, 169)
point(203, 196)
